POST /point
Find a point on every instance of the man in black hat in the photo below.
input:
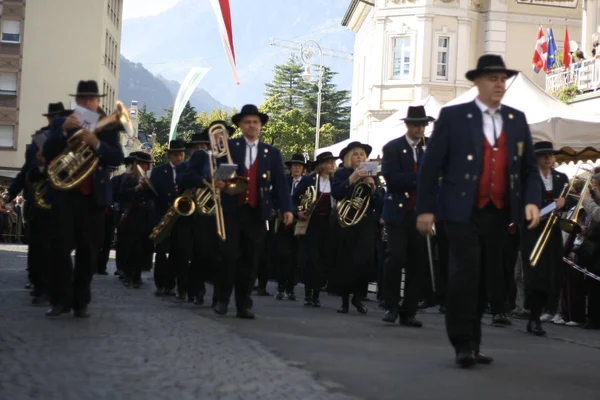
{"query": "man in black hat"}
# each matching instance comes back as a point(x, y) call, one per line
point(78, 214)
point(479, 171)
point(406, 248)
point(198, 141)
point(247, 214)
point(164, 180)
point(543, 282)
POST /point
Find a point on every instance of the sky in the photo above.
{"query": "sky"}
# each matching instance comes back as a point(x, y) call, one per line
point(145, 8)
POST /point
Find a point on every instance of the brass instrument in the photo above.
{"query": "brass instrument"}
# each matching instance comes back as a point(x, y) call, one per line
point(540, 245)
point(144, 178)
point(219, 146)
point(183, 206)
point(351, 210)
point(78, 160)
point(205, 203)
point(307, 201)
point(571, 225)
point(39, 190)
point(216, 197)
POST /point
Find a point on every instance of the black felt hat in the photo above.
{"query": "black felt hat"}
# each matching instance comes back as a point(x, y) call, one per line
point(352, 145)
point(544, 147)
point(198, 138)
point(489, 63)
point(296, 159)
point(142, 156)
point(417, 114)
point(176, 145)
point(323, 157)
point(57, 109)
point(87, 89)
point(249, 109)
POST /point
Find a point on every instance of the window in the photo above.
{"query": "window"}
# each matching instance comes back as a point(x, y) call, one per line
point(402, 58)
point(443, 45)
point(8, 83)
point(11, 31)
point(7, 136)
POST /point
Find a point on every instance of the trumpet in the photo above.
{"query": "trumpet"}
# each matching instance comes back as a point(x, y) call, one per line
point(219, 146)
point(571, 225)
point(540, 245)
point(183, 206)
point(78, 160)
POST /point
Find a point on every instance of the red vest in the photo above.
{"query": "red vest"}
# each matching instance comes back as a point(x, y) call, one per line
point(87, 186)
point(251, 195)
point(412, 199)
point(493, 184)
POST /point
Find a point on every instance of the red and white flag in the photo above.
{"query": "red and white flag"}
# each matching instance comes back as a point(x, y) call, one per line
point(540, 52)
point(223, 13)
point(566, 49)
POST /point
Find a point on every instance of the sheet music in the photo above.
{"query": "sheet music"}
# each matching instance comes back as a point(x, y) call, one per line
point(548, 209)
point(225, 172)
point(370, 166)
point(88, 118)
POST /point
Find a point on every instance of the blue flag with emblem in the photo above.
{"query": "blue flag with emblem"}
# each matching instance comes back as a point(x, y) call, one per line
point(551, 57)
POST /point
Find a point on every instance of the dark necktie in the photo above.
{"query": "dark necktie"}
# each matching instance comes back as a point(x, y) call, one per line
point(492, 113)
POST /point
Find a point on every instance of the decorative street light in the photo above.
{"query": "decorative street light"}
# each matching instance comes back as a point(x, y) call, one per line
point(308, 51)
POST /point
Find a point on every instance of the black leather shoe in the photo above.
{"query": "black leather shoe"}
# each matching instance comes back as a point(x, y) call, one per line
point(56, 311)
point(136, 285)
point(291, 296)
point(481, 358)
point(279, 296)
point(316, 303)
point(180, 296)
point(81, 312)
point(245, 314)
point(199, 300)
point(342, 310)
point(465, 358)
point(221, 308)
point(360, 307)
point(390, 316)
point(159, 292)
point(442, 310)
point(500, 320)
point(535, 327)
point(410, 321)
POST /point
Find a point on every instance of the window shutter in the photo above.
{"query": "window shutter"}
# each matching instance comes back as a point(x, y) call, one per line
point(8, 82)
point(7, 136)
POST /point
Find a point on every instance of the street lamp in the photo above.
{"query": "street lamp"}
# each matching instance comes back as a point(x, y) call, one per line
point(308, 51)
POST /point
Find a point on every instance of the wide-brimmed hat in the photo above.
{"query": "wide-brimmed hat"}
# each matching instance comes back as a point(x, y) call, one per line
point(544, 147)
point(352, 145)
point(57, 109)
point(323, 157)
point(249, 109)
point(87, 89)
point(489, 63)
point(417, 114)
point(176, 145)
point(129, 159)
point(198, 138)
point(296, 159)
point(142, 156)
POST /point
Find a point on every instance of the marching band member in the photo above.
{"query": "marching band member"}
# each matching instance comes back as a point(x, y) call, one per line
point(109, 230)
point(164, 181)
point(315, 245)
point(287, 243)
point(137, 220)
point(542, 283)
point(78, 214)
point(247, 214)
point(354, 248)
point(406, 248)
point(483, 153)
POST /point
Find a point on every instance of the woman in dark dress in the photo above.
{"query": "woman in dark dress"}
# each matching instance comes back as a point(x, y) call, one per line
point(354, 259)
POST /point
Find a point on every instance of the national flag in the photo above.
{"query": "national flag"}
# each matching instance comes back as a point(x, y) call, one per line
point(539, 52)
point(566, 49)
point(551, 57)
point(223, 13)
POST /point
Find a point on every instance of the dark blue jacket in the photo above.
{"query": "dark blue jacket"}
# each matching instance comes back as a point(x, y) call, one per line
point(20, 182)
point(454, 153)
point(397, 167)
point(273, 186)
point(110, 154)
point(161, 178)
point(196, 172)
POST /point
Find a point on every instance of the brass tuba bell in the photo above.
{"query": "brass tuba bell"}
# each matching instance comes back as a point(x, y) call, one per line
point(183, 206)
point(351, 210)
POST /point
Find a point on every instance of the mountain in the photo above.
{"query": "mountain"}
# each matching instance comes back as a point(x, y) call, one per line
point(157, 93)
point(187, 35)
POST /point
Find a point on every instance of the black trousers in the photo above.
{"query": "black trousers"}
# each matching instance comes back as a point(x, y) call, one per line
point(404, 265)
point(241, 252)
point(78, 224)
point(477, 251)
point(109, 235)
point(315, 252)
point(164, 268)
point(441, 271)
point(39, 254)
point(135, 229)
point(287, 256)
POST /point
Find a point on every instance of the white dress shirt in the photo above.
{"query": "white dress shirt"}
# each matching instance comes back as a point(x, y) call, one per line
point(491, 119)
point(174, 173)
point(413, 145)
point(295, 182)
point(547, 180)
point(251, 151)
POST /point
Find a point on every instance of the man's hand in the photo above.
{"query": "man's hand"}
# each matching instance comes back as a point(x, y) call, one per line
point(560, 203)
point(219, 184)
point(40, 157)
point(302, 216)
point(288, 218)
point(532, 215)
point(71, 122)
point(425, 223)
point(90, 139)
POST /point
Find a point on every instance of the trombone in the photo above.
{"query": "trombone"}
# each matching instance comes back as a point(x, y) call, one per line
point(540, 245)
point(216, 197)
point(219, 145)
point(571, 225)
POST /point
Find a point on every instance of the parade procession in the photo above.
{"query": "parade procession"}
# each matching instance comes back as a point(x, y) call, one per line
point(452, 241)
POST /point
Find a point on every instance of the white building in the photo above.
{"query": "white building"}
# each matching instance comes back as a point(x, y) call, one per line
point(406, 50)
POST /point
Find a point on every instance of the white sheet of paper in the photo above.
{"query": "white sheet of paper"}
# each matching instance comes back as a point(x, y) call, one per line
point(88, 118)
point(548, 209)
point(225, 172)
point(370, 166)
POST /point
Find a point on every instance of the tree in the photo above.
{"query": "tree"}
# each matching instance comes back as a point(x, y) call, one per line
point(204, 119)
point(287, 85)
point(159, 153)
point(186, 126)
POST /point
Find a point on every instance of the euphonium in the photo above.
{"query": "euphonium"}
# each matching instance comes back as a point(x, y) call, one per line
point(308, 200)
point(78, 160)
point(183, 206)
point(351, 210)
point(218, 137)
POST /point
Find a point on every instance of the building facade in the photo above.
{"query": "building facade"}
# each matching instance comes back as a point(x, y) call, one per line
point(406, 50)
point(46, 47)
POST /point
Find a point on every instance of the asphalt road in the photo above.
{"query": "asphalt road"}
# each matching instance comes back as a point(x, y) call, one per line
point(138, 346)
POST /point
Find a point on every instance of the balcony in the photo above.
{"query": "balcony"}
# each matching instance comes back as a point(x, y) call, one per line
point(585, 75)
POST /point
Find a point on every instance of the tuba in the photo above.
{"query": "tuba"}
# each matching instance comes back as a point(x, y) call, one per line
point(78, 160)
point(351, 210)
point(219, 146)
point(183, 206)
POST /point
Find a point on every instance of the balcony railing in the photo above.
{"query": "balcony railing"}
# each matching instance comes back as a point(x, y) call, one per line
point(585, 75)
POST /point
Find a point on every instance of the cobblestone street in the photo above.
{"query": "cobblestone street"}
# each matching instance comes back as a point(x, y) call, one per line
point(136, 346)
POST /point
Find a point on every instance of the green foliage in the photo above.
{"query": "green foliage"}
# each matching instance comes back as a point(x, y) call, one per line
point(567, 93)
point(159, 153)
point(204, 119)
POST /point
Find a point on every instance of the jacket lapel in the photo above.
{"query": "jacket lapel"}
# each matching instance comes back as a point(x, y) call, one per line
point(509, 133)
point(475, 117)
